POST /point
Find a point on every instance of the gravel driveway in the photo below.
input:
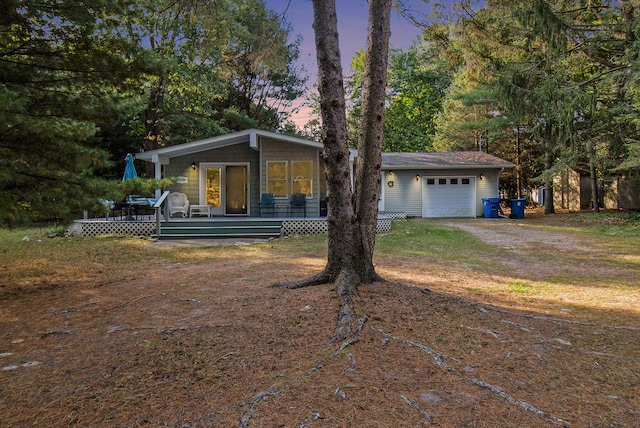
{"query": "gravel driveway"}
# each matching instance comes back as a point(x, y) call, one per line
point(518, 236)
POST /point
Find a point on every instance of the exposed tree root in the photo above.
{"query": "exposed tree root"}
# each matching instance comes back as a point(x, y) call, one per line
point(416, 405)
point(523, 404)
point(253, 401)
point(351, 339)
point(440, 358)
point(346, 282)
point(323, 277)
point(312, 417)
point(485, 308)
point(273, 390)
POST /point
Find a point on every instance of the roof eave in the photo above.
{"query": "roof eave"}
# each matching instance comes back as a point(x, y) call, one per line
point(426, 166)
point(247, 136)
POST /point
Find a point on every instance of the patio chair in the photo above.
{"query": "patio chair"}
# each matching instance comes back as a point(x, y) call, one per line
point(177, 203)
point(267, 203)
point(298, 200)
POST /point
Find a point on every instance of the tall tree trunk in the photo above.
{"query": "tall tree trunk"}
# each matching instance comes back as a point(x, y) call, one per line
point(152, 119)
point(351, 217)
point(340, 215)
point(548, 181)
point(371, 136)
point(595, 194)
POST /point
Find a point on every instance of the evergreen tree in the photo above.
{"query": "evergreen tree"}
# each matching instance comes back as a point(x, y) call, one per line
point(59, 63)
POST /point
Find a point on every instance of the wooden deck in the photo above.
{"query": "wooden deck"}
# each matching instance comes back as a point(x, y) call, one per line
point(210, 227)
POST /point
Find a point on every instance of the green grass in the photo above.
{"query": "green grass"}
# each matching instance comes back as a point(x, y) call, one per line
point(522, 287)
point(40, 258)
point(440, 244)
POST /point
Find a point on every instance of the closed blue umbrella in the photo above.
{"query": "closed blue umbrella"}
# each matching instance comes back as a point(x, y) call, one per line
point(129, 168)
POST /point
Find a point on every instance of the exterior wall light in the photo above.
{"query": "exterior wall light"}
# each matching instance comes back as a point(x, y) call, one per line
point(390, 183)
point(417, 177)
point(194, 166)
point(481, 176)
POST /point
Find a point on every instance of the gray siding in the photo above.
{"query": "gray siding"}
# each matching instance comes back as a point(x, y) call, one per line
point(241, 152)
point(406, 193)
point(271, 150)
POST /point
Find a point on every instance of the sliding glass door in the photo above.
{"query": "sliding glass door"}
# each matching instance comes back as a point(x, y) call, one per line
point(236, 186)
point(225, 187)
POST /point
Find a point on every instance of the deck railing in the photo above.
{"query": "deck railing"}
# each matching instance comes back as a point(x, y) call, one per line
point(158, 209)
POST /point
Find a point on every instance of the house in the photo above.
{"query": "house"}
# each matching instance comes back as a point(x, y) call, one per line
point(231, 172)
point(449, 184)
point(572, 191)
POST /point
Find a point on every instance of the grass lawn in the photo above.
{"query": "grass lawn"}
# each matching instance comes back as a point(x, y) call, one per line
point(525, 323)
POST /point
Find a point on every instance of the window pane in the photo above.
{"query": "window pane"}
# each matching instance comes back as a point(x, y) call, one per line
point(302, 173)
point(442, 181)
point(431, 181)
point(213, 187)
point(454, 181)
point(302, 186)
point(465, 181)
point(277, 178)
point(302, 169)
point(277, 170)
point(277, 187)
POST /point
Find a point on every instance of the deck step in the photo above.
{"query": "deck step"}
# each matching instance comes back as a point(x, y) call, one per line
point(220, 229)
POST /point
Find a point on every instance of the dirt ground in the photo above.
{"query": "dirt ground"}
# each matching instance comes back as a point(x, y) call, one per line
point(193, 344)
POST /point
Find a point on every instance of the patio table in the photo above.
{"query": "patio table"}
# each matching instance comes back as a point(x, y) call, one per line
point(135, 201)
point(200, 210)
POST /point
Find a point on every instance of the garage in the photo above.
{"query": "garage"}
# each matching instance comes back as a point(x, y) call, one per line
point(448, 196)
point(439, 184)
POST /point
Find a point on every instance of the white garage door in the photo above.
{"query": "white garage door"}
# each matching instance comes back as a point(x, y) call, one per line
point(448, 197)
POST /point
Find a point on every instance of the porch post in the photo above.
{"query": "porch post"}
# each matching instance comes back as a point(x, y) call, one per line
point(157, 166)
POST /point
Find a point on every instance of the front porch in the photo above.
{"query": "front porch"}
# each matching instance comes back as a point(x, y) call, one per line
point(211, 227)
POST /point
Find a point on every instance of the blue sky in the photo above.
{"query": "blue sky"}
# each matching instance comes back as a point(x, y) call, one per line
point(352, 29)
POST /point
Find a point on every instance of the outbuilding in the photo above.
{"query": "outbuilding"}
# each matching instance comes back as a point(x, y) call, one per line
point(432, 185)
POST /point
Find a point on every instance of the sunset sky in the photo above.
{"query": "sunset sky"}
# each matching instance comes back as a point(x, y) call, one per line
point(352, 29)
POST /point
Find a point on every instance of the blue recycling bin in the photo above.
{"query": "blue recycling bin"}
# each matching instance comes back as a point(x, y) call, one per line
point(491, 206)
point(517, 208)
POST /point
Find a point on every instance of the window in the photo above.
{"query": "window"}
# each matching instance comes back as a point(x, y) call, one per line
point(431, 181)
point(277, 178)
point(213, 186)
point(442, 181)
point(301, 173)
point(465, 181)
point(454, 181)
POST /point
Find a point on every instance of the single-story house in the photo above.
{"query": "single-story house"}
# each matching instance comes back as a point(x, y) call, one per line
point(231, 172)
point(448, 184)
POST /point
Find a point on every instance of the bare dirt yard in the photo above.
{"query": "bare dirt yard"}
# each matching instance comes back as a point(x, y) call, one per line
point(528, 323)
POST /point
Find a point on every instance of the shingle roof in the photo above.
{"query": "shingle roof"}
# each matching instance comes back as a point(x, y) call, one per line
point(442, 160)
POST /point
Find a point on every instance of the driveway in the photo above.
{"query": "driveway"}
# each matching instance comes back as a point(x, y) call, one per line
point(539, 252)
point(519, 235)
